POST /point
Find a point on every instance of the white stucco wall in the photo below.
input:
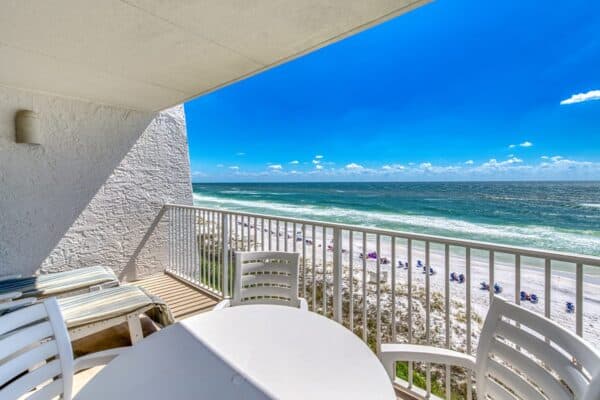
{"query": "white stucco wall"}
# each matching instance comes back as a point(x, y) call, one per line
point(90, 192)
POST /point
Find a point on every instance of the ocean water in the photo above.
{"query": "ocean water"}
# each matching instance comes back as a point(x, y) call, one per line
point(561, 216)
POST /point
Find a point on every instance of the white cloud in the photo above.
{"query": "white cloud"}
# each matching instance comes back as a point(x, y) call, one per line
point(240, 153)
point(316, 162)
point(354, 166)
point(524, 144)
point(393, 167)
point(582, 97)
point(318, 156)
point(549, 167)
point(493, 163)
point(295, 162)
point(562, 164)
point(469, 162)
point(544, 157)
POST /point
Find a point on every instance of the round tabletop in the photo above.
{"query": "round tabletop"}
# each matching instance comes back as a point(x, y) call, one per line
point(246, 352)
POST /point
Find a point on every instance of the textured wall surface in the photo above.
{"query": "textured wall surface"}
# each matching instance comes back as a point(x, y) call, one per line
point(90, 192)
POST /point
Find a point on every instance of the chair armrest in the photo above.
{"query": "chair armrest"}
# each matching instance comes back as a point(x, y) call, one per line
point(9, 296)
point(98, 358)
point(8, 306)
point(392, 352)
point(222, 304)
point(303, 304)
point(8, 277)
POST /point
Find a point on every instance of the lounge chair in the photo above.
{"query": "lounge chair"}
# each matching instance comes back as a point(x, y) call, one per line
point(265, 278)
point(521, 355)
point(37, 360)
point(92, 312)
point(88, 313)
point(56, 284)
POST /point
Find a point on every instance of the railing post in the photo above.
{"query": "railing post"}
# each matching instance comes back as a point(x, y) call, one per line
point(337, 275)
point(579, 299)
point(225, 246)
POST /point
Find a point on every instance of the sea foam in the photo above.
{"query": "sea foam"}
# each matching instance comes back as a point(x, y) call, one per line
point(590, 205)
point(527, 236)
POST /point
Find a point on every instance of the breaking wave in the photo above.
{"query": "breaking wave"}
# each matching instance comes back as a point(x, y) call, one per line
point(526, 235)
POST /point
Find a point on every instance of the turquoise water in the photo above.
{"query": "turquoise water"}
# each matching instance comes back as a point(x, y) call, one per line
point(562, 216)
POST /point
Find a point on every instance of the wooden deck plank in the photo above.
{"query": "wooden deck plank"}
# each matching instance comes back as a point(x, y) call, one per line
point(185, 305)
point(188, 313)
point(192, 300)
point(183, 300)
point(186, 308)
point(182, 294)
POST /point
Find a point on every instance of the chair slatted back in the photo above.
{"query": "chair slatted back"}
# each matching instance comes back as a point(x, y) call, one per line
point(266, 278)
point(36, 360)
point(523, 355)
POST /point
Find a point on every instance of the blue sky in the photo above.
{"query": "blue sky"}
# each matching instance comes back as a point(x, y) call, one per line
point(455, 90)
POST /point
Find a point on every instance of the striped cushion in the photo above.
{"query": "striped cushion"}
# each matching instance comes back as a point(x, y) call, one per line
point(109, 303)
point(60, 282)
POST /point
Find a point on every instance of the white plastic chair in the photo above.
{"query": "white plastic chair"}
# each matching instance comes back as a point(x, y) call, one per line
point(36, 360)
point(514, 360)
point(265, 278)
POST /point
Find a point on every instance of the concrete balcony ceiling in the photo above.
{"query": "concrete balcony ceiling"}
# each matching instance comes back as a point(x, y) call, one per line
point(152, 54)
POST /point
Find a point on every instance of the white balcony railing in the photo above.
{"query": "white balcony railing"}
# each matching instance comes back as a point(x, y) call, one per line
point(352, 274)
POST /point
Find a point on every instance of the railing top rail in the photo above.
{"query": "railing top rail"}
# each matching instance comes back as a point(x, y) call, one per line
point(473, 244)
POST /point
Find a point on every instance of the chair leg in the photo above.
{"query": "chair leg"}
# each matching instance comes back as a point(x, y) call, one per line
point(135, 328)
point(390, 367)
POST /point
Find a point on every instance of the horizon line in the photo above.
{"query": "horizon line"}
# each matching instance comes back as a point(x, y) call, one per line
point(449, 181)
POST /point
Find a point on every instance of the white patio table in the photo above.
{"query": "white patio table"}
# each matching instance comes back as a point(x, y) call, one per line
point(245, 352)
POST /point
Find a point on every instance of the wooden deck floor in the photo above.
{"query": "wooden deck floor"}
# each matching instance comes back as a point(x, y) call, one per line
point(183, 300)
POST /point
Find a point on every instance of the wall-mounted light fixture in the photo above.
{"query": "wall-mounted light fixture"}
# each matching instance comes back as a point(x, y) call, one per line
point(27, 127)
